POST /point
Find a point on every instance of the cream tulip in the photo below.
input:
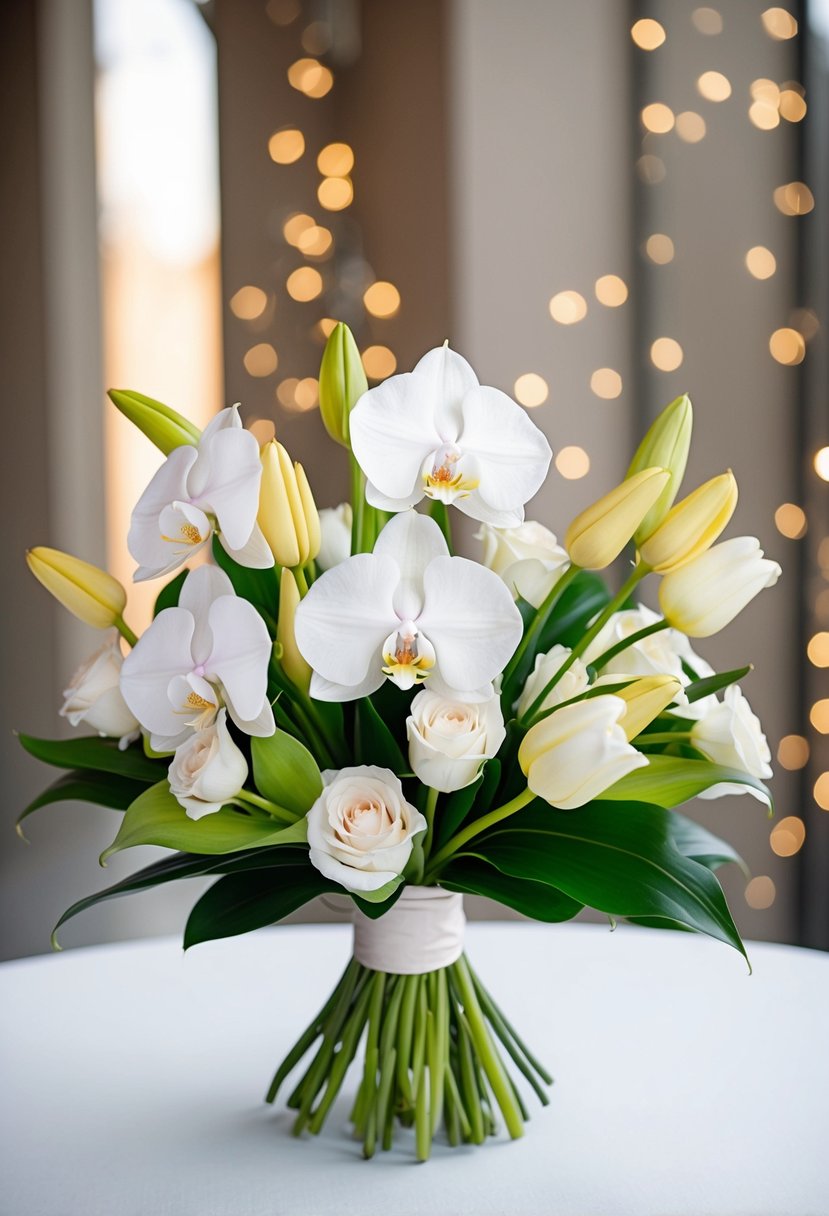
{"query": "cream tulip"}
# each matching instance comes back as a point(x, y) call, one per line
point(644, 700)
point(598, 535)
point(731, 734)
point(706, 594)
point(293, 664)
point(90, 594)
point(692, 525)
point(287, 512)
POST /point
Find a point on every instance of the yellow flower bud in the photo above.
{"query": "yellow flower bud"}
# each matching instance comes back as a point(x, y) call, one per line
point(692, 525)
point(644, 700)
point(309, 510)
point(597, 536)
point(293, 664)
point(287, 513)
point(342, 382)
point(90, 594)
point(161, 424)
point(665, 446)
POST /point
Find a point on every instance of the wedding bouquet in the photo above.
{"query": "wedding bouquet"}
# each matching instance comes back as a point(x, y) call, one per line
point(336, 702)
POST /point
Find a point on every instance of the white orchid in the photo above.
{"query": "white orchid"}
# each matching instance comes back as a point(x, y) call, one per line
point(409, 612)
point(436, 432)
point(210, 651)
point(199, 490)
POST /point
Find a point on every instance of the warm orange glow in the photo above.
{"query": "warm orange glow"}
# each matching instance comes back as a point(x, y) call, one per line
point(283, 12)
point(315, 241)
point(336, 160)
point(261, 360)
point(760, 262)
point(647, 34)
point(666, 354)
point(819, 716)
point(658, 118)
point(335, 193)
point(263, 430)
point(379, 362)
point(795, 198)
point(304, 284)
point(382, 299)
point(295, 225)
point(568, 307)
point(690, 126)
point(286, 146)
point(248, 303)
point(707, 20)
point(531, 390)
point(792, 106)
point(764, 90)
point(805, 321)
point(573, 463)
point(818, 649)
point(760, 892)
point(306, 394)
point(316, 38)
point(611, 290)
point(764, 115)
point(327, 326)
point(660, 248)
point(790, 520)
point(651, 169)
point(787, 346)
point(822, 791)
point(779, 24)
point(793, 752)
point(713, 86)
point(310, 77)
point(787, 836)
point(821, 463)
point(606, 383)
point(285, 392)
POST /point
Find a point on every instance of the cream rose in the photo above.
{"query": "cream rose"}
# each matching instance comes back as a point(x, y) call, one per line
point(731, 734)
point(361, 827)
point(94, 695)
point(528, 558)
point(449, 740)
point(572, 683)
point(335, 529)
point(207, 770)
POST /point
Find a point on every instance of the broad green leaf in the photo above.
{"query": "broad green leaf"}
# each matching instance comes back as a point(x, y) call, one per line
point(373, 741)
point(474, 876)
point(258, 587)
point(621, 860)
point(579, 603)
point(93, 752)
point(455, 808)
point(708, 684)
point(169, 593)
point(671, 780)
point(285, 772)
point(156, 817)
point(703, 846)
point(239, 903)
point(375, 898)
point(102, 789)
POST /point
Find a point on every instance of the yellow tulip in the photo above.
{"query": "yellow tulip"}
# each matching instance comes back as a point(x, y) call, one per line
point(287, 512)
point(164, 426)
point(310, 512)
point(90, 594)
point(692, 525)
point(704, 595)
point(342, 382)
point(293, 664)
point(597, 536)
point(665, 446)
point(644, 700)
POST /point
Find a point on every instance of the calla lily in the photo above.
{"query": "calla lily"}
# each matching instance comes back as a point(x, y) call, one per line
point(409, 612)
point(211, 487)
point(436, 432)
point(211, 651)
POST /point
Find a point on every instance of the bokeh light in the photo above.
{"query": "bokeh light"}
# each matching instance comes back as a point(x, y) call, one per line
point(690, 126)
point(666, 354)
point(651, 169)
point(606, 383)
point(660, 248)
point(821, 791)
point(713, 86)
point(336, 160)
point(286, 146)
point(817, 650)
point(248, 303)
point(779, 24)
point(792, 105)
point(764, 115)
point(794, 198)
point(568, 307)
point(260, 360)
point(821, 463)
point(647, 34)
point(787, 836)
point(379, 362)
point(295, 225)
point(315, 241)
point(790, 520)
point(611, 290)
point(707, 21)
point(531, 390)
point(819, 716)
point(760, 892)
point(760, 262)
point(787, 346)
point(304, 284)
point(573, 462)
point(335, 193)
point(793, 752)
point(658, 118)
point(382, 299)
point(310, 77)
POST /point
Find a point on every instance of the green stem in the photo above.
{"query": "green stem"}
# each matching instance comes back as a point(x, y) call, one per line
point(539, 621)
point(263, 804)
point(125, 631)
point(429, 812)
point(303, 709)
point(358, 505)
point(474, 829)
point(666, 736)
point(301, 580)
point(639, 636)
point(487, 1053)
point(529, 716)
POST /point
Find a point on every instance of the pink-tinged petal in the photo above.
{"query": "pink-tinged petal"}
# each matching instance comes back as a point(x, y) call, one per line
point(200, 589)
point(392, 432)
point(262, 725)
point(327, 690)
point(161, 653)
point(168, 485)
point(470, 619)
point(445, 377)
point(241, 653)
point(256, 554)
point(384, 503)
point(412, 541)
point(341, 623)
point(512, 453)
point(474, 506)
point(231, 489)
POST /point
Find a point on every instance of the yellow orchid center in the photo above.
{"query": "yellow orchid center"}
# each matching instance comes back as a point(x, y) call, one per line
point(408, 656)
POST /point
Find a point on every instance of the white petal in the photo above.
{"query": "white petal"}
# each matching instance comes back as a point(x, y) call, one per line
point(445, 378)
point(201, 587)
point(327, 690)
point(470, 619)
point(263, 725)
point(168, 485)
point(226, 419)
point(256, 554)
point(342, 621)
point(347, 876)
point(392, 432)
point(412, 541)
point(475, 507)
point(231, 488)
point(240, 655)
point(161, 653)
point(513, 455)
point(384, 503)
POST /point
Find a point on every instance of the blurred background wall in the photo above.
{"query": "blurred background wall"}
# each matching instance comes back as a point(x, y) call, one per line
point(601, 204)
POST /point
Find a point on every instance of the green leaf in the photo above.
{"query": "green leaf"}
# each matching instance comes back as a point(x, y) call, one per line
point(285, 772)
point(709, 684)
point(93, 752)
point(102, 789)
point(239, 903)
point(671, 780)
point(375, 910)
point(169, 593)
point(579, 603)
point(703, 846)
point(156, 817)
point(621, 860)
point(454, 810)
point(380, 896)
point(258, 587)
point(373, 741)
point(474, 876)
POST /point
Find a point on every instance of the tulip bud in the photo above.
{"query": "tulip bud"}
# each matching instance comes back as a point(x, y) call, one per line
point(692, 525)
point(644, 700)
point(282, 508)
point(92, 595)
point(161, 424)
point(342, 382)
point(597, 536)
point(310, 512)
point(705, 594)
point(577, 752)
point(293, 664)
point(665, 446)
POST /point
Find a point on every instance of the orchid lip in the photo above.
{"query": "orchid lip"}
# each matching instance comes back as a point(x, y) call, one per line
point(408, 656)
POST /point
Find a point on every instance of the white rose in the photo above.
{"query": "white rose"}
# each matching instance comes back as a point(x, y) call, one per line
point(360, 829)
point(572, 683)
point(94, 695)
point(335, 528)
point(730, 734)
point(528, 558)
point(449, 740)
point(207, 770)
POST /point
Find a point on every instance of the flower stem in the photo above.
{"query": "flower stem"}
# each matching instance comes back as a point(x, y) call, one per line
point(263, 804)
point(429, 812)
point(639, 636)
point(301, 580)
point(125, 631)
point(667, 736)
point(358, 504)
point(539, 621)
point(490, 1060)
point(475, 828)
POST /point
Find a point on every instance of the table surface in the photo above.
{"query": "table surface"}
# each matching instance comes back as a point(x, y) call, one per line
point(134, 1077)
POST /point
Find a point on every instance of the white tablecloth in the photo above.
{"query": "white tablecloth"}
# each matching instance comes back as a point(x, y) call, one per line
point(133, 1079)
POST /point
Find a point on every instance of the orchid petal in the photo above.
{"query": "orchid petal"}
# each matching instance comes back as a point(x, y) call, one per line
point(470, 619)
point(392, 431)
point(256, 554)
point(382, 501)
point(241, 651)
point(444, 377)
point(160, 654)
point(227, 419)
point(326, 690)
point(412, 541)
point(168, 485)
point(263, 725)
point(475, 507)
point(198, 592)
point(513, 454)
point(342, 621)
point(231, 487)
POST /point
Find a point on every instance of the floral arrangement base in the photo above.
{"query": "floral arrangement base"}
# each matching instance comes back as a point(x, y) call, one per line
point(435, 1047)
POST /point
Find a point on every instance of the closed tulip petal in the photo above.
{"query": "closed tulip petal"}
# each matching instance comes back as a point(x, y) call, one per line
point(692, 525)
point(598, 535)
point(706, 594)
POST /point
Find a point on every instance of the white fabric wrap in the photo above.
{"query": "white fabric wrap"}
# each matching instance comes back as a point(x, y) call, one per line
point(422, 932)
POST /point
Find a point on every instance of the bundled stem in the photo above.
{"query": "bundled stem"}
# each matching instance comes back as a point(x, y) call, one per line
point(432, 1057)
